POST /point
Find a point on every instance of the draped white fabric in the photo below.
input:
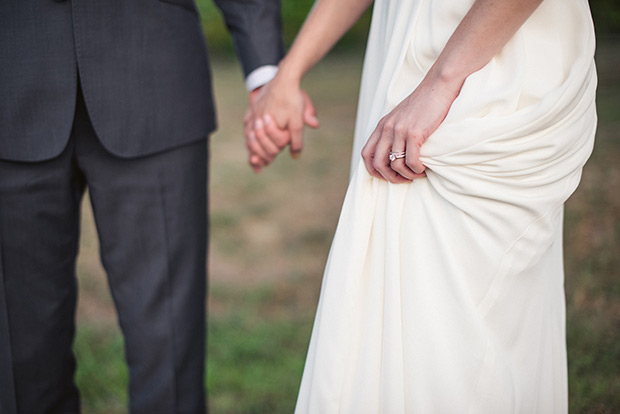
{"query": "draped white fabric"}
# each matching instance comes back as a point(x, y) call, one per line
point(446, 295)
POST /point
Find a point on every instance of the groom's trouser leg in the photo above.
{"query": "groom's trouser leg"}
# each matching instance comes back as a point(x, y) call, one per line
point(151, 217)
point(39, 231)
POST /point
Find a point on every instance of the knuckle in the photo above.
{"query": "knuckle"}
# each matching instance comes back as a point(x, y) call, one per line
point(258, 150)
point(401, 129)
point(280, 142)
point(418, 136)
point(388, 125)
point(252, 144)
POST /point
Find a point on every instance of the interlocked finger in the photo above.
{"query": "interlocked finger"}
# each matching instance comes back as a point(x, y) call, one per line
point(280, 137)
point(256, 149)
point(265, 142)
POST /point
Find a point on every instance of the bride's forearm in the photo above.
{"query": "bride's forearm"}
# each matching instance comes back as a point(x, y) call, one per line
point(328, 21)
point(482, 33)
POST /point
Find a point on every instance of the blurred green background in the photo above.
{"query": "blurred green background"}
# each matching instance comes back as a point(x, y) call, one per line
point(606, 14)
point(271, 234)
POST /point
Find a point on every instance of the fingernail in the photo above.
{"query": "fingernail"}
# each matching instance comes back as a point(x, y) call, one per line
point(258, 124)
point(267, 119)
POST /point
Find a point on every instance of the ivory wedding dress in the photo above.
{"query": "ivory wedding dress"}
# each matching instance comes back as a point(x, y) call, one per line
point(446, 295)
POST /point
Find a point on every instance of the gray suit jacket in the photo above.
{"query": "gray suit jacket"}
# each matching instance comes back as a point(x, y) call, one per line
point(142, 66)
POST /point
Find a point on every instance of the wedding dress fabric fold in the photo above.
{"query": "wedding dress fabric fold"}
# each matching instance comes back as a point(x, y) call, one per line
point(446, 295)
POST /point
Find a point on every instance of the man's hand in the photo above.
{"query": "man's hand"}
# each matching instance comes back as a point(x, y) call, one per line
point(276, 117)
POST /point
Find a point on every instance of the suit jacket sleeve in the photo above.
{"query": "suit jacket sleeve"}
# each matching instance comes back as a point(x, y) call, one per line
point(256, 28)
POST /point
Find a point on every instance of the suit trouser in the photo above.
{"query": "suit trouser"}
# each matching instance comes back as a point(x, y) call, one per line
point(151, 219)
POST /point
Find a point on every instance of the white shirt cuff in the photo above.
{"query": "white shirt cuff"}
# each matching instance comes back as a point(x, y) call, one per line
point(260, 76)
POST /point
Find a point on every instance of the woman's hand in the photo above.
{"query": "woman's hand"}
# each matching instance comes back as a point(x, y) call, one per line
point(482, 34)
point(276, 118)
point(406, 128)
point(279, 110)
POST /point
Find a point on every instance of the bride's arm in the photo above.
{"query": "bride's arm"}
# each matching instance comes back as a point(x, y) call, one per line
point(482, 33)
point(327, 22)
point(283, 98)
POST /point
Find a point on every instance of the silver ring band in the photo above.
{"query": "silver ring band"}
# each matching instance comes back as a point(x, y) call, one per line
point(396, 155)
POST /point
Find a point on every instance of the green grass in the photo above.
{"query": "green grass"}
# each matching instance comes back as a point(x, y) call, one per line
point(255, 362)
point(594, 355)
point(102, 374)
point(592, 258)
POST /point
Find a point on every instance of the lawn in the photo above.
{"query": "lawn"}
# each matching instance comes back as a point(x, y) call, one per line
point(270, 237)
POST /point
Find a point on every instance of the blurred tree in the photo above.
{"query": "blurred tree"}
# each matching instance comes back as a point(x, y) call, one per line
point(606, 14)
point(294, 13)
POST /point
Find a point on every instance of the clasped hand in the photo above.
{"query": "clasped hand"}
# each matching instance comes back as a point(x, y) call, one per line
point(276, 117)
point(279, 110)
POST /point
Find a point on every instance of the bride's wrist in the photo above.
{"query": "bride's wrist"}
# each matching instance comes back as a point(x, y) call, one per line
point(289, 72)
point(446, 79)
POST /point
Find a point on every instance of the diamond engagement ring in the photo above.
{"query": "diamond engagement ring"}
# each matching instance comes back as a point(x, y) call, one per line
point(396, 155)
